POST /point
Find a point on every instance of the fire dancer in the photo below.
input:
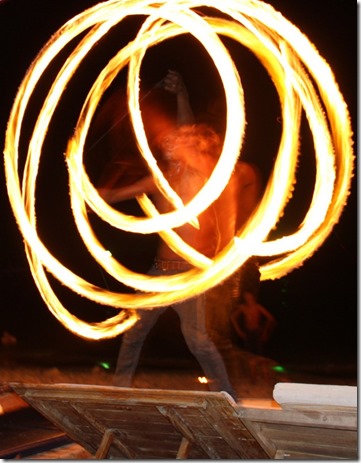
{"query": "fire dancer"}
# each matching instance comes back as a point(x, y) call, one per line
point(189, 155)
point(188, 164)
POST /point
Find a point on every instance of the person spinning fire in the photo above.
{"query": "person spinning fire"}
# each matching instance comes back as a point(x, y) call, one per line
point(189, 155)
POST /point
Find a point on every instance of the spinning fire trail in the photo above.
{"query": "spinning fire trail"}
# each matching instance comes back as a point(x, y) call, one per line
point(304, 83)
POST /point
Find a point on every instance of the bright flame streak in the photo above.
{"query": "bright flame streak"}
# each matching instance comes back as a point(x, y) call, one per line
point(205, 197)
point(234, 97)
point(74, 160)
point(341, 132)
point(324, 180)
point(174, 241)
point(287, 55)
point(87, 187)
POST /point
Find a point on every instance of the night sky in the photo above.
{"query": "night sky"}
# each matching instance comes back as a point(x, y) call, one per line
point(315, 305)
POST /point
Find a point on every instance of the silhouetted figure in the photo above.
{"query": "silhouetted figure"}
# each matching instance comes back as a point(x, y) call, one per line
point(252, 323)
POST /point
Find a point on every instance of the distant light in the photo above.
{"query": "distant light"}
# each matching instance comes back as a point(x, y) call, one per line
point(279, 369)
point(202, 379)
point(105, 365)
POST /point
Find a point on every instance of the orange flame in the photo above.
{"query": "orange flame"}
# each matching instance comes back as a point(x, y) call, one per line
point(295, 67)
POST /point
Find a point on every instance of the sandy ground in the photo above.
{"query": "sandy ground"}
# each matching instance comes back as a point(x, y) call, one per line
point(183, 379)
point(252, 376)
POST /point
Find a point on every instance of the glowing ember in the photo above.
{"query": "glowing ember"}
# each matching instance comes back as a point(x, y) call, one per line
point(202, 379)
point(295, 68)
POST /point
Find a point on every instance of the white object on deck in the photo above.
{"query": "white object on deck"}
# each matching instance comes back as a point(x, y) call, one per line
point(288, 394)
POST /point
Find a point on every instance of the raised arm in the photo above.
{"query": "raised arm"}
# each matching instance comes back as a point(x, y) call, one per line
point(173, 83)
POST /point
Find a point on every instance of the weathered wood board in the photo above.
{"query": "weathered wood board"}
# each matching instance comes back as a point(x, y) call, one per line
point(112, 422)
point(311, 422)
point(117, 423)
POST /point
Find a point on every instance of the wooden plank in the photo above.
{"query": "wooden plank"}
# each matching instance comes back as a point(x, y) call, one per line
point(326, 417)
point(181, 425)
point(144, 424)
point(238, 437)
point(163, 424)
point(304, 432)
point(217, 426)
point(324, 450)
point(183, 451)
point(132, 433)
point(105, 444)
point(310, 435)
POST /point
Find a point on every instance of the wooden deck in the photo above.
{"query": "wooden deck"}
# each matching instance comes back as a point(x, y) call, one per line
point(118, 423)
point(314, 424)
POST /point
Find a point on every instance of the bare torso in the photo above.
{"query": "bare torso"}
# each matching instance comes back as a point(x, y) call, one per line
point(187, 182)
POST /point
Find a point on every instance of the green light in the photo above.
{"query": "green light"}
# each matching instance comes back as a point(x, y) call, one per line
point(279, 369)
point(105, 365)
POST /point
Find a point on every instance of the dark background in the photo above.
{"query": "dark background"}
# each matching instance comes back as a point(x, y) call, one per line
point(315, 305)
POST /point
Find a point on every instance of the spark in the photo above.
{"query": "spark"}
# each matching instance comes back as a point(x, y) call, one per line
point(304, 82)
